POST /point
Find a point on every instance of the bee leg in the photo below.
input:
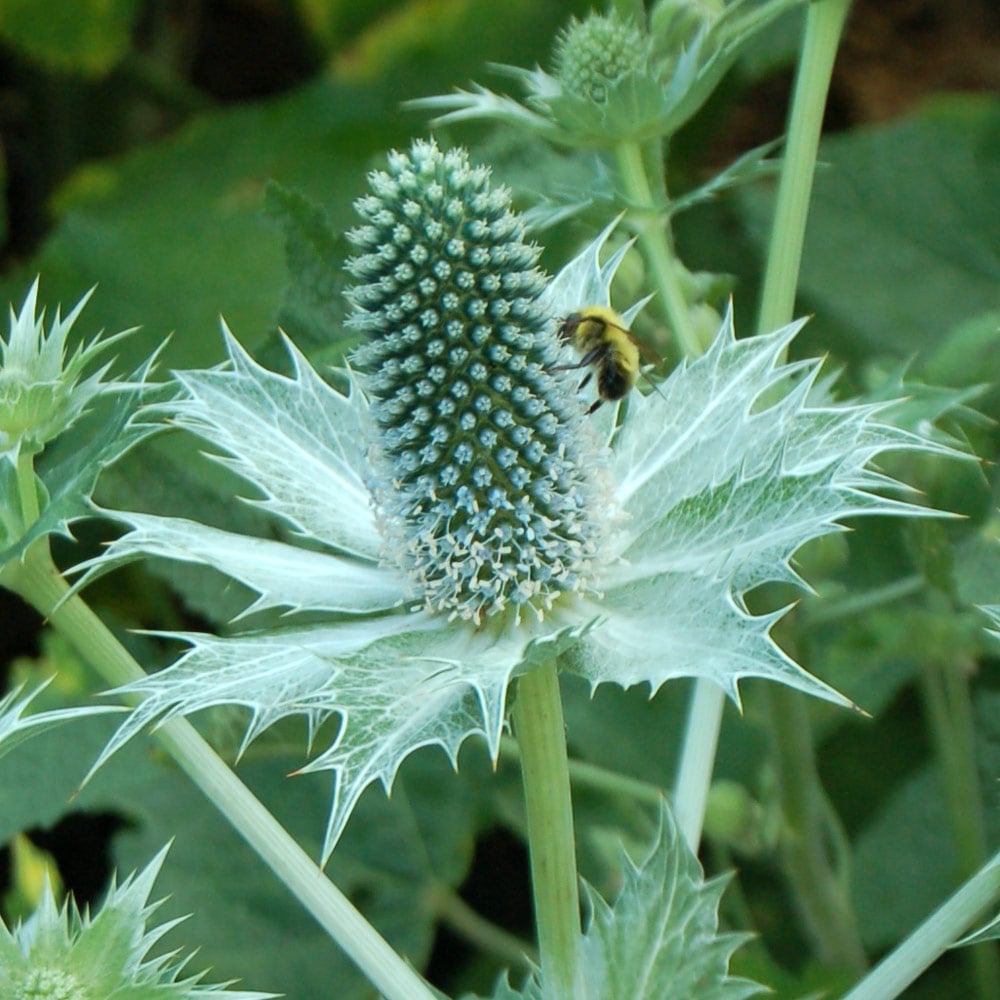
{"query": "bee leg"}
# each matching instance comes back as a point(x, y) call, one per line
point(586, 378)
point(588, 359)
point(593, 406)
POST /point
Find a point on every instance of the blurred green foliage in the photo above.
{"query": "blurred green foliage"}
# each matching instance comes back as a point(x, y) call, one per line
point(140, 143)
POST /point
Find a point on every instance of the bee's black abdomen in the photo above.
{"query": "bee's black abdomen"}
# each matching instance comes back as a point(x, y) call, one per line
point(612, 382)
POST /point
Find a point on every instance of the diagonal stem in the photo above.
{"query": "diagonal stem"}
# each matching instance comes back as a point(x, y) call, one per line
point(40, 583)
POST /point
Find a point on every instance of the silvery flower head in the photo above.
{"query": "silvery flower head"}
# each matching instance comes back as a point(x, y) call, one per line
point(484, 477)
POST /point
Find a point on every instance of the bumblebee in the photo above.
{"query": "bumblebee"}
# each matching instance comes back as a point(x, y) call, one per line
point(608, 349)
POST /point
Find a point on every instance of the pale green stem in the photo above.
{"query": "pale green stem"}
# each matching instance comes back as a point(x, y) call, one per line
point(949, 710)
point(824, 21)
point(823, 899)
point(694, 774)
point(540, 732)
point(40, 583)
point(598, 779)
point(928, 942)
point(26, 489)
point(705, 717)
point(655, 242)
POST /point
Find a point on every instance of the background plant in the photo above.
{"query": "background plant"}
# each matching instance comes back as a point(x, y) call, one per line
point(917, 627)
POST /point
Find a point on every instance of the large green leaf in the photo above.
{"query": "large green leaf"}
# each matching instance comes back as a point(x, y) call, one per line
point(902, 239)
point(904, 862)
point(175, 234)
point(80, 36)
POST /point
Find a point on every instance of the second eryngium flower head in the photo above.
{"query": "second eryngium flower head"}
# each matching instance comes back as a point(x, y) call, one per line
point(43, 390)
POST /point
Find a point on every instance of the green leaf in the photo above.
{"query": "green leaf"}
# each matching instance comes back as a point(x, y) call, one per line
point(68, 475)
point(661, 936)
point(395, 855)
point(751, 165)
point(903, 861)
point(977, 565)
point(312, 311)
point(175, 233)
point(901, 245)
point(963, 358)
point(89, 37)
point(63, 952)
point(392, 861)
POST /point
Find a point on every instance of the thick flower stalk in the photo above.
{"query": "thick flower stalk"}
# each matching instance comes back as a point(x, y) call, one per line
point(460, 524)
point(484, 475)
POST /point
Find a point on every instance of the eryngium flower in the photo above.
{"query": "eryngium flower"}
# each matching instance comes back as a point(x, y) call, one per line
point(484, 475)
point(596, 96)
point(42, 391)
point(714, 483)
point(60, 953)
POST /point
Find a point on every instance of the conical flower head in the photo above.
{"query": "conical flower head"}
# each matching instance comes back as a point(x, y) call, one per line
point(484, 476)
point(593, 54)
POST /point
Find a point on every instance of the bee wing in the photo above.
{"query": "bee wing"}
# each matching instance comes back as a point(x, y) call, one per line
point(653, 385)
point(647, 352)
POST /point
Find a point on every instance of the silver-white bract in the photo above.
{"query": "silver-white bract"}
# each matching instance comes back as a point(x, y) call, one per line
point(717, 480)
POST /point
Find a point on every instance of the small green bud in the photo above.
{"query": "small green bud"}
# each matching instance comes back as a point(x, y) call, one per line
point(735, 818)
point(593, 54)
point(41, 389)
point(49, 984)
point(61, 953)
point(614, 81)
